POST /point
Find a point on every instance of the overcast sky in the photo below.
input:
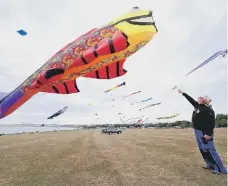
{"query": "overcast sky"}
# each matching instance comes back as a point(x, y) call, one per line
point(189, 32)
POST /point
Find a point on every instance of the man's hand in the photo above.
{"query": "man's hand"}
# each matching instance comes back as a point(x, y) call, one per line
point(180, 91)
point(207, 137)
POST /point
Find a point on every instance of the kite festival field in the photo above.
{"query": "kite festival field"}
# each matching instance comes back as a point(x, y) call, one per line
point(137, 157)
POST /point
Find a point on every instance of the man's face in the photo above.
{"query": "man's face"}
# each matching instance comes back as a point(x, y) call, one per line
point(200, 100)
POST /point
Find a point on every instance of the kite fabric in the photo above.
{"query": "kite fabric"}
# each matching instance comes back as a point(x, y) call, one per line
point(168, 117)
point(58, 113)
point(117, 86)
point(150, 106)
point(222, 53)
point(132, 94)
point(145, 100)
point(22, 32)
point(140, 120)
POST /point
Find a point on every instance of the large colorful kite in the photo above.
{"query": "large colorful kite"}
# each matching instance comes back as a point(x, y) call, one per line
point(58, 113)
point(222, 53)
point(117, 86)
point(100, 54)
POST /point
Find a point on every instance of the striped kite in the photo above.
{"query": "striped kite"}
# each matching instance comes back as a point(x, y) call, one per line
point(222, 53)
point(117, 86)
point(145, 100)
point(150, 106)
point(132, 94)
point(168, 117)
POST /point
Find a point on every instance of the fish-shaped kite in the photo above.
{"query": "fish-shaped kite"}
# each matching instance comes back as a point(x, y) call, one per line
point(117, 86)
point(58, 113)
point(99, 54)
point(222, 53)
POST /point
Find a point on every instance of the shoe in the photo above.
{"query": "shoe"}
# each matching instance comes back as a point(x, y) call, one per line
point(208, 168)
point(216, 172)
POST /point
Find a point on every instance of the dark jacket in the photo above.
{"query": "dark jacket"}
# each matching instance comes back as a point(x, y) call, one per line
point(203, 117)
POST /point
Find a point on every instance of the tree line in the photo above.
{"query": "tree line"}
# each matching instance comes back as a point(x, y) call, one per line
point(221, 121)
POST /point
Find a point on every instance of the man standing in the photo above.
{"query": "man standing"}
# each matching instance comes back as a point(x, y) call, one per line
point(203, 120)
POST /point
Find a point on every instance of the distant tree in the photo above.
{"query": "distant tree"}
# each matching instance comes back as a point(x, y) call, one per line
point(221, 120)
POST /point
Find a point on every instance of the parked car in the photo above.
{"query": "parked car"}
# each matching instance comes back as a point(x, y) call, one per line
point(111, 130)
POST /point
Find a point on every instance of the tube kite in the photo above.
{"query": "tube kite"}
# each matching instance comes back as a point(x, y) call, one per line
point(98, 54)
point(168, 117)
point(58, 113)
point(117, 86)
point(145, 100)
point(132, 94)
point(150, 106)
point(134, 118)
point(222, 53)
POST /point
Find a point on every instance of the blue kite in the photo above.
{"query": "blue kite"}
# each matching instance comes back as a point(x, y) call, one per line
point(22, 32)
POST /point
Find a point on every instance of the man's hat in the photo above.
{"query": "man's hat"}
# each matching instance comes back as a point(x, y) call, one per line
point(206, 99)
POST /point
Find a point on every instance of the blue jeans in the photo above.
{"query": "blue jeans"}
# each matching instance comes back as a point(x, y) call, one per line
point(208, 151)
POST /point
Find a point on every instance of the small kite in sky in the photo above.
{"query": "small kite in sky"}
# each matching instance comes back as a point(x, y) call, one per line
point(150, 106)
point(222, 53)
point(145, 100)
point(132, 94)
point(134, 118)
point(117, 86)
point(168, 117)
point(22, 32)
point(58, 113)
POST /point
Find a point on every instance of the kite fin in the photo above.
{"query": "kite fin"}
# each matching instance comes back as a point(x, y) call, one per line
point(111, 71)
point(47, 77)
point(68, 87)
point(116, 43)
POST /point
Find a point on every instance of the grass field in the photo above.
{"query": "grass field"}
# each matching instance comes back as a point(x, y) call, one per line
point(136, 157)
